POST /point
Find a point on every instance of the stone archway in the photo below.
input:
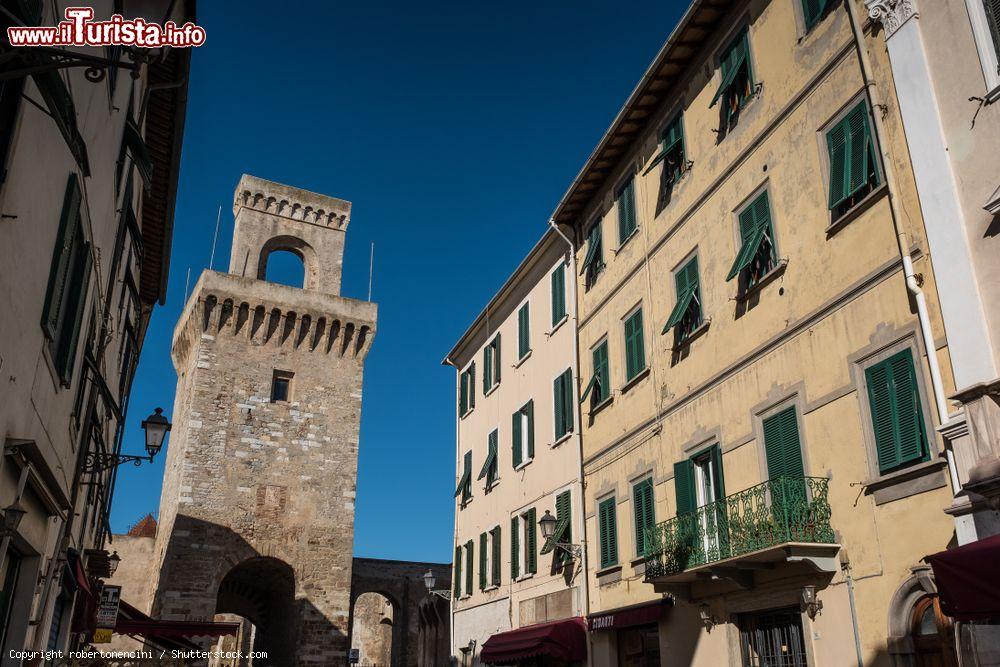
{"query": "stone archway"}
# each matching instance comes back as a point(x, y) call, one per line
point(262, 590)
point(373, 631)
point(296, 246)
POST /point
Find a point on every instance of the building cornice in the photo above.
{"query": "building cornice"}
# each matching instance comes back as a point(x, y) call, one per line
point(892, 14)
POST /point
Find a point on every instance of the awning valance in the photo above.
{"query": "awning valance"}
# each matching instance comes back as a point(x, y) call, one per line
point(627, 617)
point(168, 634)
point(565, 640)
point(967, 579)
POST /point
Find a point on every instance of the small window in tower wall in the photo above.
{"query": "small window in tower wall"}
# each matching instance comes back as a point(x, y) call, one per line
point(281, 385)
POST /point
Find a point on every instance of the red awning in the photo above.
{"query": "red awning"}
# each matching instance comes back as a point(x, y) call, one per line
point(628, 617)
point(131, 621)
point(565, 639)
point(967, 579)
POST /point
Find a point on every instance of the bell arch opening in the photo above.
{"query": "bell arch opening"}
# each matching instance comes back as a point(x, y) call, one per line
point(262, 591)
point(288, 260)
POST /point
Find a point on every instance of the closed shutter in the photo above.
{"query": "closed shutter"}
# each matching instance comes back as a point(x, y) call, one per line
point(601, 371)
point(557, 404)
point(515, 556)
point(900, 435)
point(529, 412)
point(626, 211)
point(851, 148)
point(558, 294)
point(482, 559)
point(781, 445)
point(860, 156)
point(523, 333)
point(992, 8)
point(635, 354)
point(813, 11)
point(607, 527)
point(496, 556)
point(487, 367)
point(458, 572)
point(642, 502)
point(469, 560)
point(76, 299)
point(562, 396)
point(463, 393)
point(530, 522)
point(515, 439)
point(496, 360)
point(684, 487)
point(472, 385)
point(62, 255)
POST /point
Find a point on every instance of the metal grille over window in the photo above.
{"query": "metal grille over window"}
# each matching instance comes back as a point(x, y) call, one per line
point(772, 639)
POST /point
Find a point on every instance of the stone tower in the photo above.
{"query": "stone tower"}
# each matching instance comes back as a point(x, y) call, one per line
point(257, 508)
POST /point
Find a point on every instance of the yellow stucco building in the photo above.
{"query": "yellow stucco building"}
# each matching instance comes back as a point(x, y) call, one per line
point(762, 364)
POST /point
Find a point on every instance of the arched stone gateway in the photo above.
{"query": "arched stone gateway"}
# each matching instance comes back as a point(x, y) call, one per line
point(257, 508)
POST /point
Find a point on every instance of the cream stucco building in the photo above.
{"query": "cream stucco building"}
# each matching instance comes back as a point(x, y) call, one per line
point(518, 457)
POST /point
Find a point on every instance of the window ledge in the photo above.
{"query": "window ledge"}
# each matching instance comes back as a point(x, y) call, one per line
point(523, 359)
point(907, 482)
point(695, 333)
point(636, 380)
point(558, 325)
point(560, 440)
point(609, 575)
point(523, 464)
point(490, 487)
point(491, 587)
point(600, 406)
point(857, 210)
point(992, 95)
point(765, 280)
point(524, 577)
point(628, 238)
point(609, 569)
point(491, 389)
point(467, 412)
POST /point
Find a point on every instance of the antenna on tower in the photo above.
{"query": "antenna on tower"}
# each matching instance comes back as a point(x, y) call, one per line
point(215, 239)
point(187, 281)
point(371, 269)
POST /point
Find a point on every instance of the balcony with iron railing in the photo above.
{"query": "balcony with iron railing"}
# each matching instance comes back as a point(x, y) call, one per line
point(783, 520)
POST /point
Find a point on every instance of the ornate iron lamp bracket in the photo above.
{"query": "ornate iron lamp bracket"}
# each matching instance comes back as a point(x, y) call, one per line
point(38, 59)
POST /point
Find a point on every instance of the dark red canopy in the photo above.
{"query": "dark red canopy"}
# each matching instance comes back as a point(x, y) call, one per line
point(131, 621)
point(968, 581)
point(565, 639)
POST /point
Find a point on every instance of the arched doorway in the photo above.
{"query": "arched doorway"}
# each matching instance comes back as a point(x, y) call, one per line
point(933, 634)
point(262, 591)
point(374, 631)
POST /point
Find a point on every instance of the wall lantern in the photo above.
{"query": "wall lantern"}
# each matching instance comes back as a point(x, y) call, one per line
point(429, 581)
point(155, 426)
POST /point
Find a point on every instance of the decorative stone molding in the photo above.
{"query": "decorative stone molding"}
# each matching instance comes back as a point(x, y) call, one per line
point(268, 197)
point(892, 14)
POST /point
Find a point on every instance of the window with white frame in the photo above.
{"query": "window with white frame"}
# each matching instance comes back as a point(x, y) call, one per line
point(985, 19)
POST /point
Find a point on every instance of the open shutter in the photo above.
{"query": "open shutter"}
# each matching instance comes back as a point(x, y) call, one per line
point(529, 411)
point(883, 417)
point(529, 534)
point(684, 487)
point(836, 145)
point(992, 8)
point(495, 580)
point(730, 63)
point(463, 393)
point(76, 305)
point(558, 405)
point(523, 340)
point(469, 560)
point(910, 423)
point(458, 572)
point(515, 556)
point(858, 153)
point(61, 256)
point(558, 294)
point(482, 560)
point(140, 154)
point(607, 524)
point(626, 211)
point(564, 513)
point(642, 500)
point(487, 367)
point(496, 360)
point(515, 439)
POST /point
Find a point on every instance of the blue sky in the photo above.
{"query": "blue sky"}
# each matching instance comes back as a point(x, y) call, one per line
point(454, 128)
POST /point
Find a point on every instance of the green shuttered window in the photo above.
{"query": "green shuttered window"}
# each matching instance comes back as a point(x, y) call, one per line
point(894, 399)
point(530, 521)
point(608, 528)
point(781, 445)
point(757, 255)
point(687, 500)
point(737, 85)
point(992, 8)
point(635, 352)
point(69, 278)
point(469, 560)
point(813, 11)
point(495, 552)
point(491, 364)
point(558, 294)
point(626, 210)
point(853, 163)
point(467, 390)
point(523, 332)
point(491, 465)
point(599, 387)
point(645, 514)
point(564, 513)
point(483, 565)
point(464, 488)
point(593, 262)
point(686, 315)
point(515, 545)
point(523, 434)
point(458, 572)
point(562, 396)
point(671, 152)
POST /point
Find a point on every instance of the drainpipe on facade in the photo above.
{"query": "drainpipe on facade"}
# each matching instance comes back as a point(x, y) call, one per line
point(912, 284)
point(579, 434)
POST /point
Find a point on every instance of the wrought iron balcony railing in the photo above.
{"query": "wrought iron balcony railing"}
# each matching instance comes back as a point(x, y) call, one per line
point(782, 510)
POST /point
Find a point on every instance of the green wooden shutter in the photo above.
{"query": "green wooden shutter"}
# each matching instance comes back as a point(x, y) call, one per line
point(523, 332)
point(607, 526)
point(684, 487)
point(69, 334)
point(496, 359)
point(564, 511)
point(567, 380)
point(900, 436)
point(515, 545)
point(496, 556)
point(516, 446)
point(635, 354)
point(463, 393)
point(813, 11)
point(626, 210)
point(644, 512)
point(558, 407)
point(859, 162)
point(601, 371)
point(458, 572)
point(992, 8)
point(487, 367)
point(469, 560)
point(836, 145)
point(781, 445)
point(530, 523)
point(558, 294)
point(61, 256)
point(483, 553)
point(529, 412)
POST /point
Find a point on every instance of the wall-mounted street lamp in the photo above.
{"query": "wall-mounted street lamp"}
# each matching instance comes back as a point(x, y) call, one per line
point(548, 525)
point(156, 427)
point(810, 603)
point(113, 561)
point(429, 581)
point(12, 516)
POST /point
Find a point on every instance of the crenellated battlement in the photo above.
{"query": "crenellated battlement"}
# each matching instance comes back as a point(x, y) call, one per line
point(277, 316)
point(288, 202)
